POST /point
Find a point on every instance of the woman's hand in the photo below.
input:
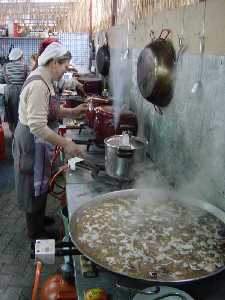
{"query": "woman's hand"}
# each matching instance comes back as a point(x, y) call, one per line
point(80, 87)
point(72, 149)
point(79, 110)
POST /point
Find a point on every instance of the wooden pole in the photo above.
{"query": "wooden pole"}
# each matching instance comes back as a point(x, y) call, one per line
point(90, 34)
point(114, 12)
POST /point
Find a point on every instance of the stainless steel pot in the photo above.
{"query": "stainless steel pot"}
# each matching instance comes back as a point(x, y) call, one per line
point(122, 160)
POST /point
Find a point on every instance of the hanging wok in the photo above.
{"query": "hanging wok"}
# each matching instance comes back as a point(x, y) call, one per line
point(103, 58)
point(155, 70)
point(150, 235)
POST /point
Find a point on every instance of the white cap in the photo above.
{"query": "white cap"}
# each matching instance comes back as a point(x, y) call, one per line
point(15, 54)
point(54, 50)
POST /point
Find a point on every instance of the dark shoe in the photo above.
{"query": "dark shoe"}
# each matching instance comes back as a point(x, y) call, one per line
point(48, 221)
point(46, 234)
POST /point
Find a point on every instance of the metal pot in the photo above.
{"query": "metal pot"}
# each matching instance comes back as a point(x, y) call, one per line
point(121, 159)
point(155, 70)
point(94, 102)
point(92, 85)
point(72, 101)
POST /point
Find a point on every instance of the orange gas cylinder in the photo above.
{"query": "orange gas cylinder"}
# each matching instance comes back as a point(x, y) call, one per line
point(56, 288)
point(2, 144)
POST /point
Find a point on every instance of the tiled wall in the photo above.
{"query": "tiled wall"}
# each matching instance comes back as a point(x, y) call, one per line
point(187, 142)
point(77, 43)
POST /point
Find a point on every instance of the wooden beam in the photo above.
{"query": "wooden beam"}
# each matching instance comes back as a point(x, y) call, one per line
point(114, 12)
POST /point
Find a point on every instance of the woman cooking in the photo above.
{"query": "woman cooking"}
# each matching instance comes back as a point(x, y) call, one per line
point(35, 138)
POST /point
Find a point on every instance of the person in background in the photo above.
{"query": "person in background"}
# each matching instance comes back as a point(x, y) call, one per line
point(35, 138)
point(13, 74)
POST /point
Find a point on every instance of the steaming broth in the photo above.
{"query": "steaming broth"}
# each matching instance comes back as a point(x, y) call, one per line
point(171, 239)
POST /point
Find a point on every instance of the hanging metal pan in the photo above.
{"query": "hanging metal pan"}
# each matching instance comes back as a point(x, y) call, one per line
point(103, 59)
point(155, 70)
point(150, 235)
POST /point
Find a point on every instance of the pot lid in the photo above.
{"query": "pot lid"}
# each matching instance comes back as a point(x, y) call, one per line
point(123, 141)
point(100, 99)
point(170, 293)
point(89, 79)
point(110, 110)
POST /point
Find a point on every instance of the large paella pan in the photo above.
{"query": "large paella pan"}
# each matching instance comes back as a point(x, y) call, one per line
point(151, 235)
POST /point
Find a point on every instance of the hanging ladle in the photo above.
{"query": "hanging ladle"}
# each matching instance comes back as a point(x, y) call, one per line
point(125, 54)
point(198, 84)
point(182, 46)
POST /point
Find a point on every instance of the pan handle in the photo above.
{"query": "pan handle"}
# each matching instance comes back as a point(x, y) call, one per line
point(152, 35)
point(171, 294)
point(164, 34)
point(158, 109)
point(155, 290)
point(123, 152)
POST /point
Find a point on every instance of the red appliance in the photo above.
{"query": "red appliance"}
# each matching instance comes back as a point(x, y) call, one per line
point(93, 103)
point(105, 125)
point(92, 85)
point(71, 101)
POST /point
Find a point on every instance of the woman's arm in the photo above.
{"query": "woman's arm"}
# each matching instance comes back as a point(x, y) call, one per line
point(37, 116)
point(72, 112)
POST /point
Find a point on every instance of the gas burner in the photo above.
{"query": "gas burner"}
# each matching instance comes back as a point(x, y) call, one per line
point(99, 145)
point(121, 184)
point(83, 126)
point(89, 165)
point(88, 142)
point(98, 172)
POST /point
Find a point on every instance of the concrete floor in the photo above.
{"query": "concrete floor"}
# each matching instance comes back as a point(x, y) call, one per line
point(16, 267)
